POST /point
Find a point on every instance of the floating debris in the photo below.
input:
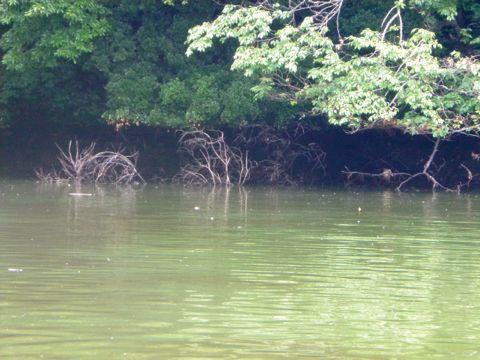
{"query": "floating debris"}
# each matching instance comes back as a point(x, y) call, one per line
point(80, 194)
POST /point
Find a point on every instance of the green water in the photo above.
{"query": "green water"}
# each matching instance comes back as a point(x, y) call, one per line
point(169, 273)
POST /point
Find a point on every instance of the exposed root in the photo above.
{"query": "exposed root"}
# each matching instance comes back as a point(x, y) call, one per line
point(282, 158)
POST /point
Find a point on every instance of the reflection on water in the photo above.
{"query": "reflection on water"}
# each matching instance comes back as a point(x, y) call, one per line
point(237, 273)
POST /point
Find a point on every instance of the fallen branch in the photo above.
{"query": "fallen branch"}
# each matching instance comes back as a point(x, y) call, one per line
point(209, 160)
point(426, 172)
point(387, 174)
point(84, 165)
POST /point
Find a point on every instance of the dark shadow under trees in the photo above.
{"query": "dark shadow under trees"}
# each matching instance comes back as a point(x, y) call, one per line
point(257, 154)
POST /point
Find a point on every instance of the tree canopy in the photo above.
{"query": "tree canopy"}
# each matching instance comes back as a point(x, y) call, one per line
point(410, 64)
point(376, 77)
point(121, 62)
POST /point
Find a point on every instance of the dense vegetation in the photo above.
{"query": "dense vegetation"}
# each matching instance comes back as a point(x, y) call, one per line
point(410, 65)
point(121, 62)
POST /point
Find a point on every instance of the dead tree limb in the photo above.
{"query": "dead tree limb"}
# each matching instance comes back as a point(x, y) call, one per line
point(84, 165)
point(388, 174)
point(426, 171)
point(209, 160)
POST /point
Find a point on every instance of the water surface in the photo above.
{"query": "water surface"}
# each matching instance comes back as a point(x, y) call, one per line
point(172, 273)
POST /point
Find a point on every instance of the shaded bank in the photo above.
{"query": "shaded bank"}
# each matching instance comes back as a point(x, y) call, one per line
point(371, 158)
point(24, 150)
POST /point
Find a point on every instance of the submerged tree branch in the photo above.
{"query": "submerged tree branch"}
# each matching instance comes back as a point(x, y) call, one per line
point(209, 160)
point(84, 165)
point(426, 171)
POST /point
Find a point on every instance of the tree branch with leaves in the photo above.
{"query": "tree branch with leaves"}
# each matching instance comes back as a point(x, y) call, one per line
point(371, 80)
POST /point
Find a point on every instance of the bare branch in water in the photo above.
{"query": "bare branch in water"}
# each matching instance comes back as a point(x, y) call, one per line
point(84, 165)
point(429, 171)
point(209, 160)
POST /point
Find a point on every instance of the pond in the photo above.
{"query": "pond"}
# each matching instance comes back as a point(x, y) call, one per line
point(256, 273)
